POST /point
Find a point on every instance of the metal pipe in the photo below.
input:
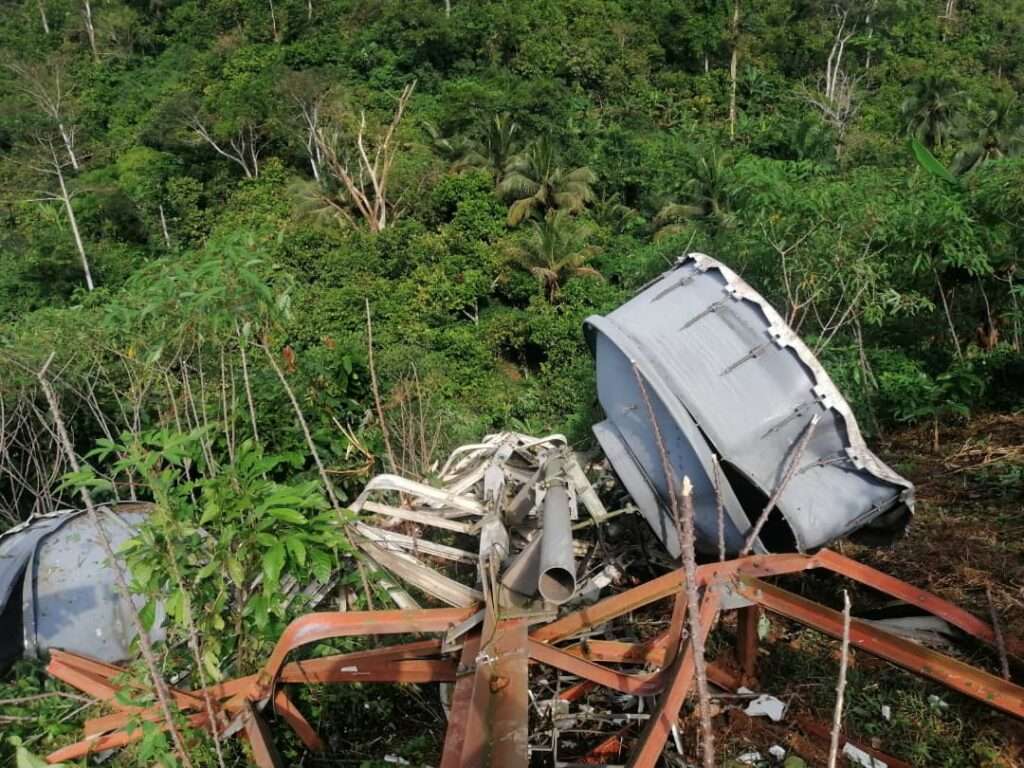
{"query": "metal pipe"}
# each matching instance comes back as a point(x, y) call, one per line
point(557, 582)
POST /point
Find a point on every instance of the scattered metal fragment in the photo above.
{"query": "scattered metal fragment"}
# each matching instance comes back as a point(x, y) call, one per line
point(733, 379)
point(57, 589)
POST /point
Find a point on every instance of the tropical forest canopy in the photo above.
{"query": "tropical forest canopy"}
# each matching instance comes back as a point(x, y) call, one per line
point(197, 192)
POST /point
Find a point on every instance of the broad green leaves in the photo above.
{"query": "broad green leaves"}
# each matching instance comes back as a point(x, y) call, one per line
point(927, 161)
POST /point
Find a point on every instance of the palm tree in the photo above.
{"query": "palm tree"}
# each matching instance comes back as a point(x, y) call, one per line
point(555, 250)
point(450, 149)
point(495, 149)
point(708, 194)
point(609, 211)
point(536, 183)
point(1000, 133)
point(930, 109)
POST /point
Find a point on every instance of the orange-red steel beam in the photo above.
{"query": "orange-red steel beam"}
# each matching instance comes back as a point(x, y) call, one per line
point(666, 714)
point(932, 603)
point(497, 728)
point(314, 627)
point(407, 663)
point(462, 700)
point(114, 740)
point(747, 620)
point(987, 688)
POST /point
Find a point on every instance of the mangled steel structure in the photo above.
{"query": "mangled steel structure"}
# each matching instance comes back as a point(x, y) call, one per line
point(743, 409)
point(488, 724)
point(728, 378)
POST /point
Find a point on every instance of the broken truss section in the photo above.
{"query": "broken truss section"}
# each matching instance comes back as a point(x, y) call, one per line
point(525, 648)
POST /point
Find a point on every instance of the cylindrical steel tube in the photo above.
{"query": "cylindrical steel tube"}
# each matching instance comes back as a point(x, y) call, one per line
point(557, 582)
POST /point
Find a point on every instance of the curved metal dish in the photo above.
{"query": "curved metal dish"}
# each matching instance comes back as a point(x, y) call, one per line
point(727, 376)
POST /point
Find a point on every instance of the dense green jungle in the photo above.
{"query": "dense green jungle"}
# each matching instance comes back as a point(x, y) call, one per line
point(260, 250)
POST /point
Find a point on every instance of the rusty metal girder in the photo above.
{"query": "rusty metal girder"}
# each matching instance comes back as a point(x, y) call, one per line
point(666, 715)
point(955, 674)
point(488, 723)
point(498, 718)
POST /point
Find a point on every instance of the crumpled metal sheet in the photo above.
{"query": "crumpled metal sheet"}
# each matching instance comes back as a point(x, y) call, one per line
point(726, 375)
point(67, 589)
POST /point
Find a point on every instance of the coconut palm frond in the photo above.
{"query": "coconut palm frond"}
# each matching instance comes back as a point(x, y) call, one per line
point(521, 210)
point(535, 173)
point(516, 185)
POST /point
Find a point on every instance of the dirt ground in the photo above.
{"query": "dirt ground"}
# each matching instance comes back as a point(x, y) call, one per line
point(968, 533)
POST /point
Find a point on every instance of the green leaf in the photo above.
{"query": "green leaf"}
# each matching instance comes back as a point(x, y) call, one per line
point(288, 516)
point(321, 563)
point(25, 759)
point(273, 563)
point(175, 605)
point(297, 549)
point(142, 572)
point(927, 161)
point(259, 605)
point(207, 570)
point(212, 665)
point(236, 572)
point(210, 513)
point(148, 615)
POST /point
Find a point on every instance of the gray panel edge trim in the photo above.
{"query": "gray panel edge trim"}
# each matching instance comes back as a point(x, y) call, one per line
point(859, 453)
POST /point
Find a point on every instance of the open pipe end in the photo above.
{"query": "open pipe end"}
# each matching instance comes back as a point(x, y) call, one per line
point(557, 585)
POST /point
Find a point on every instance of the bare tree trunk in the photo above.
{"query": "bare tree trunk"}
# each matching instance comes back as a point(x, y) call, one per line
point(324, 478)
point(69, 144)
point(90, 29)
point(163, 226)
point(835, 59)
point(311, 117)
point(685, 531)
point(309, 10)
point(74, 223)
point(949, 317)
point(273, 22)
point(681, 505)
point(42, 15)
point(376, 391)
point(734, 30)
point(245, 381)
point(447, 8)
point(871, 34)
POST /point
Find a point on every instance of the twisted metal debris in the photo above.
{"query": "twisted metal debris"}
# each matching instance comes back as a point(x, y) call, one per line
point(523, 658)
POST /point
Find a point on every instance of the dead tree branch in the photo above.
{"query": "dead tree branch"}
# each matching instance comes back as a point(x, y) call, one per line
point(791, 468)
point(997, 630)
point(844, 659)
point(376, 391)
point(366, 181)
point(682, 513)
point(244, 146)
